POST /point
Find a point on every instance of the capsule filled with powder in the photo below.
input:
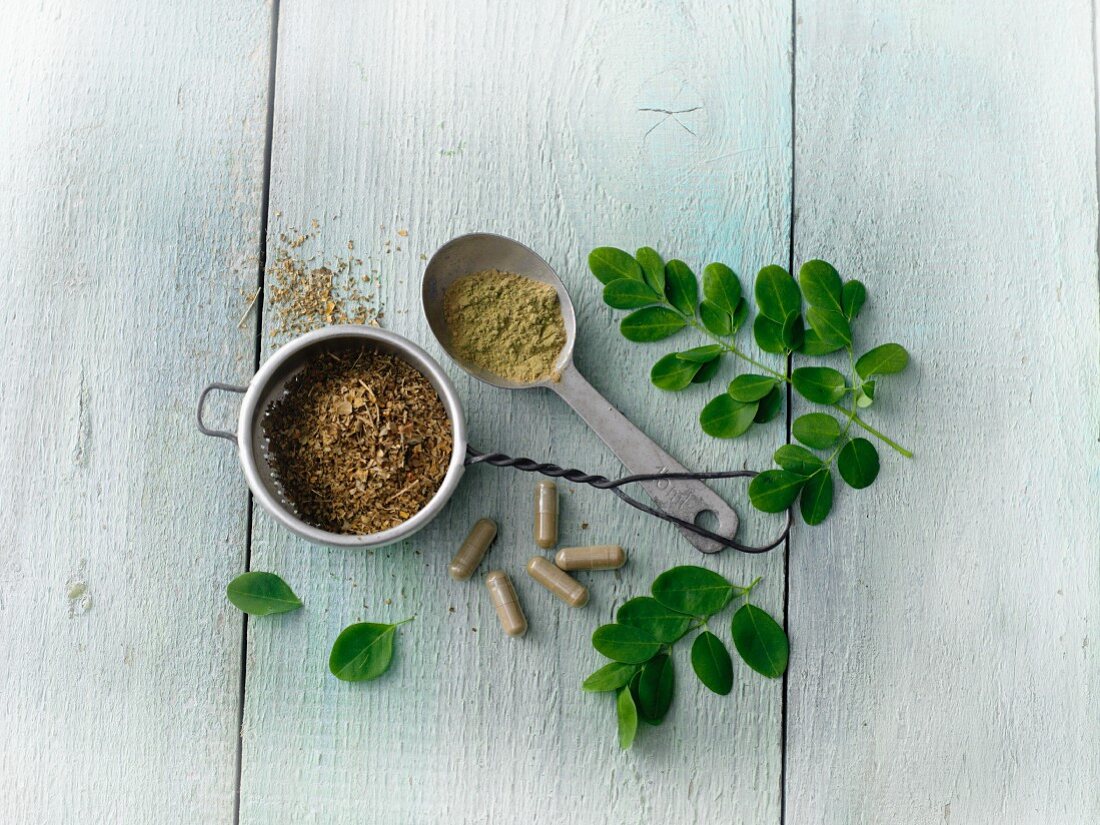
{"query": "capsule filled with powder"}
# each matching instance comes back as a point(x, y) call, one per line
point(546, 514)
point(503, 596)
point(594, 557)
point(558, 582)
point(473, 549)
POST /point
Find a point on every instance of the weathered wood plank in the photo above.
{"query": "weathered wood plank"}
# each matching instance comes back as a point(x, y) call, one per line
point(532, 121)
point(944, 621)
point(132, 144)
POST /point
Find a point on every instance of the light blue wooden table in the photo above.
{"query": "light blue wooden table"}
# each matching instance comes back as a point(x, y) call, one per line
point(943, 624)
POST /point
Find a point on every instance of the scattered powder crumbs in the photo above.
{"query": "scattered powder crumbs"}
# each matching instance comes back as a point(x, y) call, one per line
point(360, 442)
point(506, 324)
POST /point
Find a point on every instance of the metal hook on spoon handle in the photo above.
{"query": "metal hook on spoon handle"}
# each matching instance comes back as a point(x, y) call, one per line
point(640, 455)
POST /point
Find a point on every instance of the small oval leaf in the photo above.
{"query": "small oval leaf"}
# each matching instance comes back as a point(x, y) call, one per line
point(700, 355)
point(611, 676)
point(627, 713)
point(362, 652)
point(624, 294)
point(711, 662)
point(830, 325)
point(760, 641)
point(691, 590)
point(750, 387)
point(768, 335)
point(656, 686)
point(817, 497)
point(653, 268)
point(773, 491)
point(649, 615)
point(721, 287)
point(821, 285)
point(681, 288)
point(740, 314)
point(884, 360)
point(673, 373)
point(793, 332)
point(651, 324)
point(858, 463)
point(814, 344)
point(707, 371)
point(262, 594)
point(610, 264)
point(769, 406)
point(715, 320)
point(853, 296)
point(626, 644)
point(798, 460)
point(817, 430)
point(822, 385)
point(777, 294)
point(723, 417)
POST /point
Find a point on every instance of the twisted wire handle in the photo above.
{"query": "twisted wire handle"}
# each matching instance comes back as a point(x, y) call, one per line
point(528, 465)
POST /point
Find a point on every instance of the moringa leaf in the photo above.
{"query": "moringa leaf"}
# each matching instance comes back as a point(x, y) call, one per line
point(681, 288)
point(830, 325)
point(715, 320)
point(858, 463)
point(610, 264)
point(625, 644)
point(651, 324)
point(362, 651)
point(740, 314)
point(707, 371)
point(798, 460)
point(721, 287)
point(647, 614)
point(760, 640)
point(655, 689)
point(711, 662)
point(821, 285)
point(853, 296)
point(814, 344)
point(261, 594)
point(653, 268)
point(817, 430)
point(823, 385)
point(773, 491)
point(691, 590)
point(865, 396)
point(629, 294)
point(769, 335)
point(883, 360)
point(793, 332)
point(700, 355)
point(723, 417)
point(769, 406)
point(673, 373)
point(817, 497)
point(750, 387)
point(611, 676)
point(777, 294)
point(627, 713)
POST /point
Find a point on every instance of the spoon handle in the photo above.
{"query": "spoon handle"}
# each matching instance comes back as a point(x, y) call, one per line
point(640, 455)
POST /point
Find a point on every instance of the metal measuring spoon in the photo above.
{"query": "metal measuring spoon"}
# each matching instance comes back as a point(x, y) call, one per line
point(467, 254)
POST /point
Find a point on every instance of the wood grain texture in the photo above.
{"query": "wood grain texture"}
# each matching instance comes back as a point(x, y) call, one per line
point(944, 621)
point(131, 138)
point(530, 120)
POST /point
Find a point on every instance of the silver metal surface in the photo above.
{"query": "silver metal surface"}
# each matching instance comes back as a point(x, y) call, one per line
point(269, 384)
point(638, 453)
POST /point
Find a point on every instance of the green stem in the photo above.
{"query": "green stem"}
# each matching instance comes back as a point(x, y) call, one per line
point(404, 621)
point(860, 422)
point(732, 349)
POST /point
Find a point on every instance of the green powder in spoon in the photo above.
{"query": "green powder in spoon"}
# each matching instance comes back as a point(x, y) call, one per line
point(506, 324)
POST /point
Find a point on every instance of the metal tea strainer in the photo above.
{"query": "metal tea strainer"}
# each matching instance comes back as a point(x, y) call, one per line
point(679, 496)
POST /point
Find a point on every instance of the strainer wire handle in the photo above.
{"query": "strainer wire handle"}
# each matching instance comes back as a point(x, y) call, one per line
point(528, 465)
point(202, 401)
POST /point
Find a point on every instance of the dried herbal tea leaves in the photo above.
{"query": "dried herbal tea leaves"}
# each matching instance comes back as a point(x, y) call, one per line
point(360, 442)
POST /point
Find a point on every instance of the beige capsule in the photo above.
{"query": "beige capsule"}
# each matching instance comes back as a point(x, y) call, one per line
point(473, 549)
point(594, 557)
point(546, 514)
point(558, 582)
point(503, 596)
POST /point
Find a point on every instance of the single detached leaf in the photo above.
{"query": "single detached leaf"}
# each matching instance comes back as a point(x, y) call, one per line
point(798, 460)
point(673, 373)
point(814, 344)
point(653, 268)
point(777, 294)
point(656, 687)
point(821, 285)
point(707, 371)
point(609, 677)
point(628, 718)
point(858, 463)
point(700, 355)
point(830, 325)
point(711, 662)
point(651, 324)
point(715, 320)
point(817, 430)
point(760, 641)
point(721, 287)
point(817, 497)
point(626, 644)
point(681, 288)
point(647, 614)
point(691, 590)
point(740, 314)
point(773, 491)
point(853, 296)
point(610, 264)
point(723, 417)
point(362, 652)
point(768, 335)
point(793, 332)
point(262, 594)
point(884, 360)
point(628, 294)
point(822, 385)
point(769, 406)
point(750, 387)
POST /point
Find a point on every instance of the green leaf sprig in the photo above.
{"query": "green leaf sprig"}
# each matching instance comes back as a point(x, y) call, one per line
point(812, 316)
point(639, 644)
